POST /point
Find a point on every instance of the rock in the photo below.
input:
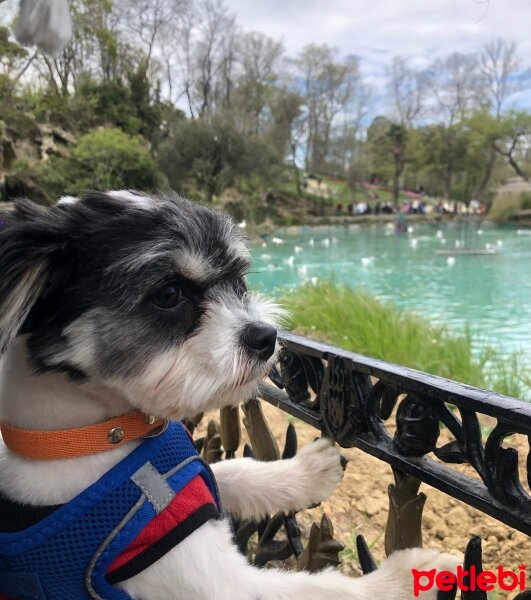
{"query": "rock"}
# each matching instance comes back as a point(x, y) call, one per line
point(428, 520)
point(458, 518)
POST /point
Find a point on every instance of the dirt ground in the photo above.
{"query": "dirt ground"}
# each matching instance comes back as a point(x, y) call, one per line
point(360, 505)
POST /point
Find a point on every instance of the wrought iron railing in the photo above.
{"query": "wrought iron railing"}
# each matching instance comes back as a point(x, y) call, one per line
point(355, 400)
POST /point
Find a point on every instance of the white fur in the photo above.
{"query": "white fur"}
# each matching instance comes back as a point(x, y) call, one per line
point(196, 267)
point(67, 200)
point(137, 198)
point(251, 489)
point(15, 309)
point(210, 369)
point(206, 566)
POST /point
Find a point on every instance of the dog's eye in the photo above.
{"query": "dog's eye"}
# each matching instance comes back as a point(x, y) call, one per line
point(167, 297)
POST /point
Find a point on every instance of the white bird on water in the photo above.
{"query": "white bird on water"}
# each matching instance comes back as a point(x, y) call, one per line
point(439, 234)
point(450, 261)
point(413, 243)
point(311, 242)
point(289, 261)
point(277, 240)
point(298, 249)
point(367, 260)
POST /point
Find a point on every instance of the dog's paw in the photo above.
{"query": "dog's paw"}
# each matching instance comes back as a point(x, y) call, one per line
point(397, 571)
point(319, 470)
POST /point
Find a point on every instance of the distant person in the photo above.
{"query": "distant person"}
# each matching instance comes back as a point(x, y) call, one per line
point(350, 209)
point(401, 223)
point(339, 209)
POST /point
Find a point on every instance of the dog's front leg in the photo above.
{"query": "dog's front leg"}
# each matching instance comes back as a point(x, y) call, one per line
point(207, 566)
point(251, 489)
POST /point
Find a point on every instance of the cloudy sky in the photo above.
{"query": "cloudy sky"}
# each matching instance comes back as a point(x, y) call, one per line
point(376, 30)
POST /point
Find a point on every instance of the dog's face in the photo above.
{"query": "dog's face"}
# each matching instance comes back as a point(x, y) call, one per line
point(144, 295)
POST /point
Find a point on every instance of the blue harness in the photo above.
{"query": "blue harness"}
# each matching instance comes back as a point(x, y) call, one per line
point(67, 555)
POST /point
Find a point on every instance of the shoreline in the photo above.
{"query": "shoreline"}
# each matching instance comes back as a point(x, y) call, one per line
point(361, 221)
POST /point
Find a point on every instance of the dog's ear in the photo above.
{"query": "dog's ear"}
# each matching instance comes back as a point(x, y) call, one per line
point(28, 243)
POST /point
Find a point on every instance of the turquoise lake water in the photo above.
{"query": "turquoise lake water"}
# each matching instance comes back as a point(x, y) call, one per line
point(492, 294)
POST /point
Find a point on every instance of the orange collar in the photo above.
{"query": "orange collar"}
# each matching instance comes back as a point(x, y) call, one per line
point(80, 441)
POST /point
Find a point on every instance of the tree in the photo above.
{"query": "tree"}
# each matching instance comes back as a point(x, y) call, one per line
point(388, 143)
point(327, 87)
point(500, 66)
point(287, 131)
point(397, 135)
point(12, 57)
point(501, 77)
point(454, 83)
point(212, 155)
point(515, 128)
point(259, 56)
point(216, 26)
point(407, 88)
point(442, 153)
point(92, 52)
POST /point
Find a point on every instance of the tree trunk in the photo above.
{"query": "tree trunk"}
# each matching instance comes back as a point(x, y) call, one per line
point(487, 175)
point(396, 177)
point(296, 171)
point(448, 183)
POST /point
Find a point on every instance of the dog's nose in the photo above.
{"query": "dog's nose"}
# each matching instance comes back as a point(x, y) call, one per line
point(259, 340)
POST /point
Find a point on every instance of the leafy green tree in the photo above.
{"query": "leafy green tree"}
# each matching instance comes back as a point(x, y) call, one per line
point(102, 159)
point(212, 155)
point(388, 145)
point(12, 57)
point(443, 150)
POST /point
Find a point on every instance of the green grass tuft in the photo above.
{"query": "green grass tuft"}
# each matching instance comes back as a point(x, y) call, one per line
point(359, 322)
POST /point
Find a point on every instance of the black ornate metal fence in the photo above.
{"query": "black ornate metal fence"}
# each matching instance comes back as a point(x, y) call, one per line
point(356, 401)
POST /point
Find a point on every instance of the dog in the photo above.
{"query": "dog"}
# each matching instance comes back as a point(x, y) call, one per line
point(119, 301)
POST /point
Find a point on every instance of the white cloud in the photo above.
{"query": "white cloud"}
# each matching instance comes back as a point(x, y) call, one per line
point(377, 30)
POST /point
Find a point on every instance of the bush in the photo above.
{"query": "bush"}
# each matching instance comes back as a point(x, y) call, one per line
point(526, 200)
point(102, 159)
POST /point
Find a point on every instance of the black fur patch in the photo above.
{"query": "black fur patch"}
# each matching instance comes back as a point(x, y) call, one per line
point(104, 258)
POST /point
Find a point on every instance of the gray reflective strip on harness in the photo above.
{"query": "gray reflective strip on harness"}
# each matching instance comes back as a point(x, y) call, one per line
point(154, 486)
point(88, 576)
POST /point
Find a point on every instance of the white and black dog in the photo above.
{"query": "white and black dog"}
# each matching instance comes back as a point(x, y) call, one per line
point(119, 301)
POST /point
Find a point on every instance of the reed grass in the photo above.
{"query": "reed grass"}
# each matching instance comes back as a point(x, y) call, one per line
point(361, 323)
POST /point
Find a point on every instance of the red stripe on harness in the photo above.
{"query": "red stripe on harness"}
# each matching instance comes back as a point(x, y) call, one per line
point(194, 495)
